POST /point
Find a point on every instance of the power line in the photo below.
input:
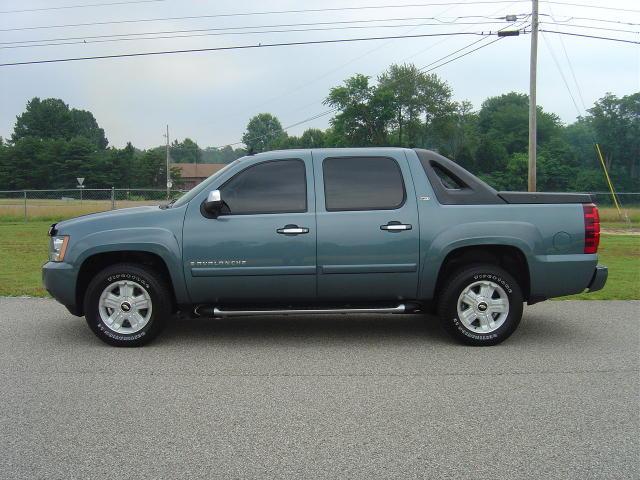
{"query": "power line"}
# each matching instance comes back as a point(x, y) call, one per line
point(564, 79)
point(440, 20)
point(464, 48)
point(241, 47)
point(586, 5)
point(256, 32)
point(463, 55)
point(571, 18)
point(65, 7)
point(289, 91)
point(272, 12)
point(453, 53)
point(510, 25)
point(573, 73)
point(593, 27)
point(306, 120)
point(591, 36)
point(327, 112)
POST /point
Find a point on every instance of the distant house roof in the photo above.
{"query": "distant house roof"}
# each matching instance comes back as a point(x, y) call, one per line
point(198, 170)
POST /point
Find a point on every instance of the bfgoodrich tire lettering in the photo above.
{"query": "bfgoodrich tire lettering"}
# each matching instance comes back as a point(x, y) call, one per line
point(113, 293)
point(480, 305)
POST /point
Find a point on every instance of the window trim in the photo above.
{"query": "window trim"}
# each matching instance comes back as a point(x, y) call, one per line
point(306, 190)
point(395, 162)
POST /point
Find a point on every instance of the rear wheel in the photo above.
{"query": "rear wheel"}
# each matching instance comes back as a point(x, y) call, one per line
point(127, 305)
point(480, 305)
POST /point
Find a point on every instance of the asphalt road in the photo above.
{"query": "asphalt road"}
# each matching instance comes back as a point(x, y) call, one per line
point(322, 397)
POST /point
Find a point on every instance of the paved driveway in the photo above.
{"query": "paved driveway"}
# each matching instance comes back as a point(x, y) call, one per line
point(322, 397)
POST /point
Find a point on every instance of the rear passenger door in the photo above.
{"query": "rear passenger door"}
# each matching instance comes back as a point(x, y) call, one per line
point(367, 227)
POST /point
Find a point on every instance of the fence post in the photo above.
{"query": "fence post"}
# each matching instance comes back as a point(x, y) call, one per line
point(113, 198)
point(25, 205)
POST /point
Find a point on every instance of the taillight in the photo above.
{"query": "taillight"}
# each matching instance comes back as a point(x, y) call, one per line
point(591, 228)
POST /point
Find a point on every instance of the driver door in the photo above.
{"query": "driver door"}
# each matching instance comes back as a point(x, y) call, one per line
point(262, 248)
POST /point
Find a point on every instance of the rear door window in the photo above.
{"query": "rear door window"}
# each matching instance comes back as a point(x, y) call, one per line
point(362, 183)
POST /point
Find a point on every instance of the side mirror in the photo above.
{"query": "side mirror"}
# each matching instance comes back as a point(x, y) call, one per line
point(213, 203)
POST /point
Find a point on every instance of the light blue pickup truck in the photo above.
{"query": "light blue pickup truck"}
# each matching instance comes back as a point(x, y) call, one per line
point(362, 230)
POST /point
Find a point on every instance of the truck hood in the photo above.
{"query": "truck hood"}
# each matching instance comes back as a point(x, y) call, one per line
point(125, 218)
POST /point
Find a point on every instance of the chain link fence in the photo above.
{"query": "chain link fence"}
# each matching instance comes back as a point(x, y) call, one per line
point(58, 204)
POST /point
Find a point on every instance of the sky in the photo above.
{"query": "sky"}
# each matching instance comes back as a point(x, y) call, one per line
point(210, 96)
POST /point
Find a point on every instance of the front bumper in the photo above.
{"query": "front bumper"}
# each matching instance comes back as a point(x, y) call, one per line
point(599, 278)
point(59, 279)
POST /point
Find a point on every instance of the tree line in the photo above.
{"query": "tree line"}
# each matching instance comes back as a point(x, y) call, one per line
point(409, 108)
point(52, 144)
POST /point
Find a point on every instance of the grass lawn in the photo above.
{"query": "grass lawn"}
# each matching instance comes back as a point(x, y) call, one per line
point(24, 245)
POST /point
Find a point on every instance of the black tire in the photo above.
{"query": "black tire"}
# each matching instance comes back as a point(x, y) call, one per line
point(457, 283)
point(158, 291)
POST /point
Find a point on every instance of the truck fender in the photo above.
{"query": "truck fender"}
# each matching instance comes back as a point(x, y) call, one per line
point(158, 241)
point(521, 235)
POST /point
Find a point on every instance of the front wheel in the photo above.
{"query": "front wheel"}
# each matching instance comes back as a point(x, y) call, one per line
point(127, 305)
point(480, 305)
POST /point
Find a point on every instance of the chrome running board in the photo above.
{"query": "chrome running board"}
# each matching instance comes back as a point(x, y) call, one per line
point(217, 312)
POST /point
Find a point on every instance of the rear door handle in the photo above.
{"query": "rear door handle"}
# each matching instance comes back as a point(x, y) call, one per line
point(396, 227)
point(292, 230)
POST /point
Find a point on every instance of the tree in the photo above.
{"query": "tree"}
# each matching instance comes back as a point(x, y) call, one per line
point(506, 119)
point(312, 138)
point(186, 151)
point(84, 124)
point(51, 118)
point(119, 162)
point(491, 155)
point(225, 154)
point(580, 136)
point(413, 95)
point(616, 124)
point(364, 113)
point(76, 161)
point(264, 132)
point(512, 177)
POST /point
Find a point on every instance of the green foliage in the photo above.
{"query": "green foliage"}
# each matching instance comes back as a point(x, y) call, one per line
point(53, 144)
point(616, 124)
point(51, 118)
point(413, 95)
point(186, 151)
point(221, 155)
point(264, 132)
point(365, 113)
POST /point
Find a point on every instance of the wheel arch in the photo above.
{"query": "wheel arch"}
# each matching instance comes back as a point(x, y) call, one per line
point(509, 257)
point(96, 262)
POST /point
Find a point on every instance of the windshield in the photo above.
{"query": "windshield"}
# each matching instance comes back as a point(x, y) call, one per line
point(201, 186)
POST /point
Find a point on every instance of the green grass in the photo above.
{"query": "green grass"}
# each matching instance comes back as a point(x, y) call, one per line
point(24, 245)
point(621, 254)
point(23, 250)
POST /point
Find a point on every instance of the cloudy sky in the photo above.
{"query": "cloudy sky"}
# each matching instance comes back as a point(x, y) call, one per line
point(210, 96)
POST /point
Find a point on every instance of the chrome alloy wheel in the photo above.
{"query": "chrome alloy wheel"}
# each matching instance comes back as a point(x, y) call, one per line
point(483, 306)
point(125, 307)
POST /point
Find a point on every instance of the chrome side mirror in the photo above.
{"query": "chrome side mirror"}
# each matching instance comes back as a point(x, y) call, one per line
point(213, 203)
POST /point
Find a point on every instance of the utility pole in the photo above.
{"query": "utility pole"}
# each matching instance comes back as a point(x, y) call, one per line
point(169, 185)
point(533, 127)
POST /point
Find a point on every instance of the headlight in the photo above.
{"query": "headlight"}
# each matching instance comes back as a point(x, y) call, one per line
point(58, 247)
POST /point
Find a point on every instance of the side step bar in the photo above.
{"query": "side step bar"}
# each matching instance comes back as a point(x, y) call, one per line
point(207, 310)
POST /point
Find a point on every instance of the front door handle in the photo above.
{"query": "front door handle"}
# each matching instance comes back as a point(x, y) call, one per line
point(292, 230)
point(396, 227)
